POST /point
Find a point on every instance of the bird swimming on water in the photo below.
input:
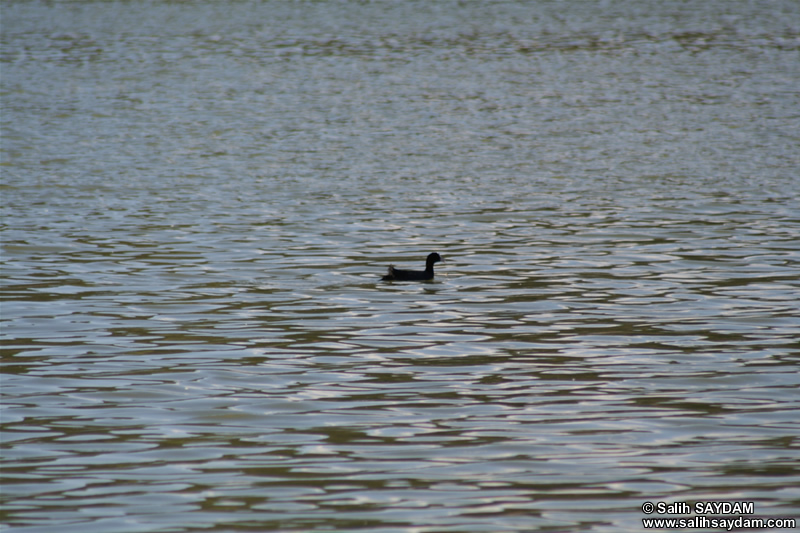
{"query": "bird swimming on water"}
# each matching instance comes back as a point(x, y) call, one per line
point(397, 274)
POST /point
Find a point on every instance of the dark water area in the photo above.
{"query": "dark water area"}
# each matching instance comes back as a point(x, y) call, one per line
point(199, 200)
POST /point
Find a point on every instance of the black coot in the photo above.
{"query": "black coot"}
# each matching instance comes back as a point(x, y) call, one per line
point(396, 274)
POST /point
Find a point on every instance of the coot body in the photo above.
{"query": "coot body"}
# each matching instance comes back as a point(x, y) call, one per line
point(397, 274)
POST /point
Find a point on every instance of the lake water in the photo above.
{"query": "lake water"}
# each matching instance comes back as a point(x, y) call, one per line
point(199, 199)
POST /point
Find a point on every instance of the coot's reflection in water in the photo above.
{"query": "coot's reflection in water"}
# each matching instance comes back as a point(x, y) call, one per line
point(198, 198)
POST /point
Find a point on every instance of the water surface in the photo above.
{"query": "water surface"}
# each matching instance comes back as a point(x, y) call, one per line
point(199, 200)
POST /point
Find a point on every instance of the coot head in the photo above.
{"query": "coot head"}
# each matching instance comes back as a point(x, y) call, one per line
point(433, 258)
